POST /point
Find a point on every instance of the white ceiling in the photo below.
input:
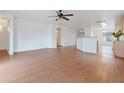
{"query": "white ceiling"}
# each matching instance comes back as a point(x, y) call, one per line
point(80, 18)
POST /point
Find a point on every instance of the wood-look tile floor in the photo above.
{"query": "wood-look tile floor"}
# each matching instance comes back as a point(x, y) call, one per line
point(60, 65)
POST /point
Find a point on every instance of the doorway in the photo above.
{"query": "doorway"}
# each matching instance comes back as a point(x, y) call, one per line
point(4, 34)
point(59, 37)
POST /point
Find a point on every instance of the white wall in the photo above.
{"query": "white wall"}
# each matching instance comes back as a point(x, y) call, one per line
point(68, 37)
point(30, 35)
point(87, 31)
point(97, 32)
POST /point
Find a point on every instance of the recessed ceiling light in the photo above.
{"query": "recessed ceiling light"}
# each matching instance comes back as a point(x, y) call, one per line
point(104, 31)
point(104, 24)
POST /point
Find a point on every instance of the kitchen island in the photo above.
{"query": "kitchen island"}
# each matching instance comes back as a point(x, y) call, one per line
point(87, 44)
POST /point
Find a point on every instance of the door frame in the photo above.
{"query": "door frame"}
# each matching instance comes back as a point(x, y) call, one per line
point(10, 30)
point(59, 37)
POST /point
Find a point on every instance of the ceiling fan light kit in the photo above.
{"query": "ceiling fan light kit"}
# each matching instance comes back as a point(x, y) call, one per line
point(60, 15)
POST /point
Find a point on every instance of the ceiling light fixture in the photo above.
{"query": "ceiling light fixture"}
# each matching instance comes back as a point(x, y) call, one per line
point(104, 31)
point(104, 24)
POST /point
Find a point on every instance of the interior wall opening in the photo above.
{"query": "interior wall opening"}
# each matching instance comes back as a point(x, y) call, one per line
point(59, 37)
point(4, 34)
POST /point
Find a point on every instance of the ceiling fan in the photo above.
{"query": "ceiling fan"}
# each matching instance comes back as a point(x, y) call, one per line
point(61, 15)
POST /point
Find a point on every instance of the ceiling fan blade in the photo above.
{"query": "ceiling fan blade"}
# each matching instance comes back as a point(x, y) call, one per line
point(60, 11)
point(68, 15)
point(52, 16)
point(65, 18)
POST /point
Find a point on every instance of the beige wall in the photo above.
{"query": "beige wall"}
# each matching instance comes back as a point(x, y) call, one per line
point(3, 39)
point(119, 24)
point(123, 25)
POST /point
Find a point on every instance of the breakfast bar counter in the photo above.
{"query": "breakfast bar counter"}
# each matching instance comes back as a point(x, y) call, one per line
point(87, 44)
